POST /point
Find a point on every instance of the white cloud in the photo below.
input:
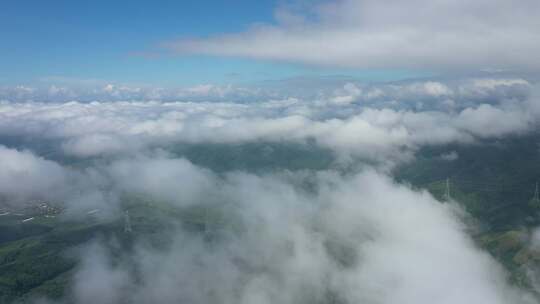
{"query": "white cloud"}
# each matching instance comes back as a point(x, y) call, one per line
point(108, 88)
point(488, 121)
point(348, 94)
point(97, 144)
point(351, 120)
point(431, 88)
point(392, 34)
point(362, 239)
point(90, 91)
point(25, 176)
point(491, 83)
point(450, 156)
point(494, 88)
point(171, 180)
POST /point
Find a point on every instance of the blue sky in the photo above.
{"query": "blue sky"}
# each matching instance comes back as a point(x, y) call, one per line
point(119, 41)
point(99, 39)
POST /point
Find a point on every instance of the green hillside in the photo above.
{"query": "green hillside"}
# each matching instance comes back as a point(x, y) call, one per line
point(495, 182)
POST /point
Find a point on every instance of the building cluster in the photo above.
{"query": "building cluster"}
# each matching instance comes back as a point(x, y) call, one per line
point(32, 209)
point(44, 209)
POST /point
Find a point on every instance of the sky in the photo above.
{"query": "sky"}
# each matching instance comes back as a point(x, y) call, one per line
point(72, 50)
point(102, 40)
point(189, 43)
point(123, 42)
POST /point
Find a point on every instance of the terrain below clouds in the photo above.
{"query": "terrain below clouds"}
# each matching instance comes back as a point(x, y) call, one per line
point(291, 200)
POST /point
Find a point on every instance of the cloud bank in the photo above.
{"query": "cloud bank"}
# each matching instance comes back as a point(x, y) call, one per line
point(378, 123)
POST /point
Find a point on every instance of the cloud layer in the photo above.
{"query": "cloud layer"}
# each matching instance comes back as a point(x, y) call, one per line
point(377, 122)
point(292, 236)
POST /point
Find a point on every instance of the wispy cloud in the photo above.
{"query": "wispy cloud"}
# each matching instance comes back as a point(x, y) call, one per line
point(445, 35)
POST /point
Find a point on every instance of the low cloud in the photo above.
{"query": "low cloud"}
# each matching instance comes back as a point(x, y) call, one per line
point(25, 176)
point(288, 236)
point(360, 239)
point(175, 181)
point(351, 238)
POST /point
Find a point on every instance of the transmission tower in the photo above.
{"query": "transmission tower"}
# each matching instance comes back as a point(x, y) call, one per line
point(127, 223)
point(207, 230)
point(447, 196)
point(536, 198)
